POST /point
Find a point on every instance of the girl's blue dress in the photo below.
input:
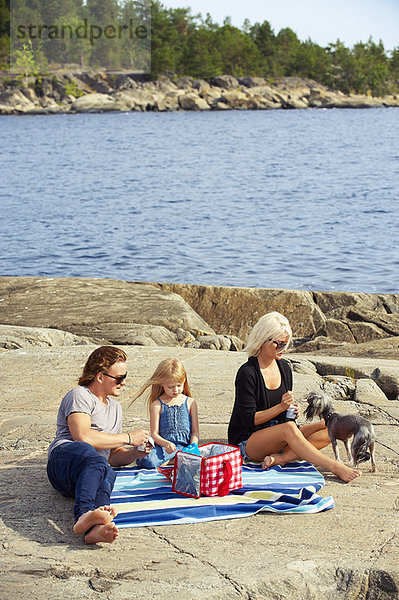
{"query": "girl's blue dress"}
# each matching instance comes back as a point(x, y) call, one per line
point(175, 426)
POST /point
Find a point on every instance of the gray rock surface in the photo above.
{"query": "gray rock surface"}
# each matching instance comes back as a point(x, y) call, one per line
point(348, 552)
point(339, 322)
point(385, 373)
point(90, 306)
point(13, 336)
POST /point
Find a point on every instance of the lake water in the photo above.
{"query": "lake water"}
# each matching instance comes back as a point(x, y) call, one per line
point(301, 199)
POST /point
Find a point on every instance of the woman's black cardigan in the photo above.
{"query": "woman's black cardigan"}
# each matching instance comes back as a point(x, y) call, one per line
point(251, 397)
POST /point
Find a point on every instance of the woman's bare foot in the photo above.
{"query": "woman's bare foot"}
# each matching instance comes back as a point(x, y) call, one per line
point(273, 460)
point(345, 473)
point(102, 533)
point(99, 516)
point(268, 462)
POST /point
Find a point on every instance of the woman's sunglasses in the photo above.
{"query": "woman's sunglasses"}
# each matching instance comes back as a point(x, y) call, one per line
point(280, 345)
point(119, 379)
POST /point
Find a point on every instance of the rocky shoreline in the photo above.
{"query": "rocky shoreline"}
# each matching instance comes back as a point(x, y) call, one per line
point(48, 328)
point(82, 92)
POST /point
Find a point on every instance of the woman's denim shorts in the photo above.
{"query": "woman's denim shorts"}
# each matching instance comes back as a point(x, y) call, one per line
point(241, 446)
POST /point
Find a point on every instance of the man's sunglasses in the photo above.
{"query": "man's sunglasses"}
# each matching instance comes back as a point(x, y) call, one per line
point(119, 379)
point(280, 345)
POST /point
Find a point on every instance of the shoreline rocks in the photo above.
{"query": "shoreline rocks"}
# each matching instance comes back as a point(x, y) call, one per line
point(82, 92)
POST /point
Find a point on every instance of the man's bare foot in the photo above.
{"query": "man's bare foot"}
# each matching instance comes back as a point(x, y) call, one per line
point(102, 533)
point(99, 516)
point(345, 473)
point(113, 511)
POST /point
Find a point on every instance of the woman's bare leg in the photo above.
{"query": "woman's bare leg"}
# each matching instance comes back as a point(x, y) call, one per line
point(315, 433)
point(268, 441)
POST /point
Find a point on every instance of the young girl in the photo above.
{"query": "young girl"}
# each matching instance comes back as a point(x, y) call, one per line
point(173, 413)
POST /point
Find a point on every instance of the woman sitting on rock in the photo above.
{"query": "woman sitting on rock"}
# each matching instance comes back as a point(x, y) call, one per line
point(259, 423)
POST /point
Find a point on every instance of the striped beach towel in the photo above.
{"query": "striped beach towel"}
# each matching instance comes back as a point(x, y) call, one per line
point(145, 497)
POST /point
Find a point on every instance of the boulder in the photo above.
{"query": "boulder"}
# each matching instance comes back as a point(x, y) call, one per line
point(217, 342)
point(94, 103)
point(169, 102)
point(365, 332)
point(13, 337)
point(192, 101)
point(302, 365)
point(79, 305)
point(227, 82)
point(265, 96)
point(304, 383)
point(368, 392)
point(95, 81)
point(339, 387)
point(385, 348)
point(16, 100)
point(135, 334)
point(184, 83)
point(336, 331)
point(240, 100)
point(385, 373)
point(387, 322)
point(235, 310)
point(135, 99)
point(338, 304)
point(219, 105)
point(251, 82)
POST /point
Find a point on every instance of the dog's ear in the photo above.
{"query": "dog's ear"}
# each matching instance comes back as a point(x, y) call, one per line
point(309, 412)
point(311, 397)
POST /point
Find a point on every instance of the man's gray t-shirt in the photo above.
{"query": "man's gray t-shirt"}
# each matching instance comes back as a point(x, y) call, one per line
point(103, 418)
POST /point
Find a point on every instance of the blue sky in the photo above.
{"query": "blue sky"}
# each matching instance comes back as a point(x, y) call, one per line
point(321, 20)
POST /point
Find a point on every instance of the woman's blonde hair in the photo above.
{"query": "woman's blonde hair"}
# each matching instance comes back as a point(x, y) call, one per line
point(170, 369)
point(269, 328)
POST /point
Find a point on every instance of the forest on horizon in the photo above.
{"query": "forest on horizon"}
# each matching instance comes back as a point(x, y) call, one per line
point(184, 44)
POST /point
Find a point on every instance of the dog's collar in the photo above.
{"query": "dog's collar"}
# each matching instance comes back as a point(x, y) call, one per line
point(328, 417)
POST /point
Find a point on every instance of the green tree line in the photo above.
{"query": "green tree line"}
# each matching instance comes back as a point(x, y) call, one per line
point(184, 44)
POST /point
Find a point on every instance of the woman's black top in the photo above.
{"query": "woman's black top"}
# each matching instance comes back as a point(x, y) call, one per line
point(253, 396)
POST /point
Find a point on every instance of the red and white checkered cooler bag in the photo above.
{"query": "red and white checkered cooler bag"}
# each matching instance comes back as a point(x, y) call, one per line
point(215, 472)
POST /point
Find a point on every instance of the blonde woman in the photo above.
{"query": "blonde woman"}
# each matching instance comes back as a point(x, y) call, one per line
point(259, 424)
point(173, 413)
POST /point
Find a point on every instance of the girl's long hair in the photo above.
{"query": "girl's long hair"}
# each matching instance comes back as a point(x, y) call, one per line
point(170, 369)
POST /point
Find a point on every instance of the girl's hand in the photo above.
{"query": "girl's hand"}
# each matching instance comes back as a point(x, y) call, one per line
point(170, 447)
point(148, 448)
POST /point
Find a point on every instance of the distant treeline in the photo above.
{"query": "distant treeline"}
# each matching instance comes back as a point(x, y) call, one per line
point(183, 44)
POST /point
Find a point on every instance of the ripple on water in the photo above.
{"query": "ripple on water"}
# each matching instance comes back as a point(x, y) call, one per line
point(268, 199)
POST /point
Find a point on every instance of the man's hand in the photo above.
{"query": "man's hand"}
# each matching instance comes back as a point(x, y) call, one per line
point(138, 437)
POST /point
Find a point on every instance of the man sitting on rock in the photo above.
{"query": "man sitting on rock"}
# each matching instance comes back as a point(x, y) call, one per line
point(89, 439)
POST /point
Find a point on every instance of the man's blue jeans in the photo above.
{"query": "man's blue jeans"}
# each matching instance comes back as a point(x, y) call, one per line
point(76, 470)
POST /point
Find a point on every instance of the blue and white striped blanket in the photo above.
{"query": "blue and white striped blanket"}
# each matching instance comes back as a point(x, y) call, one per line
point(145, 497)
